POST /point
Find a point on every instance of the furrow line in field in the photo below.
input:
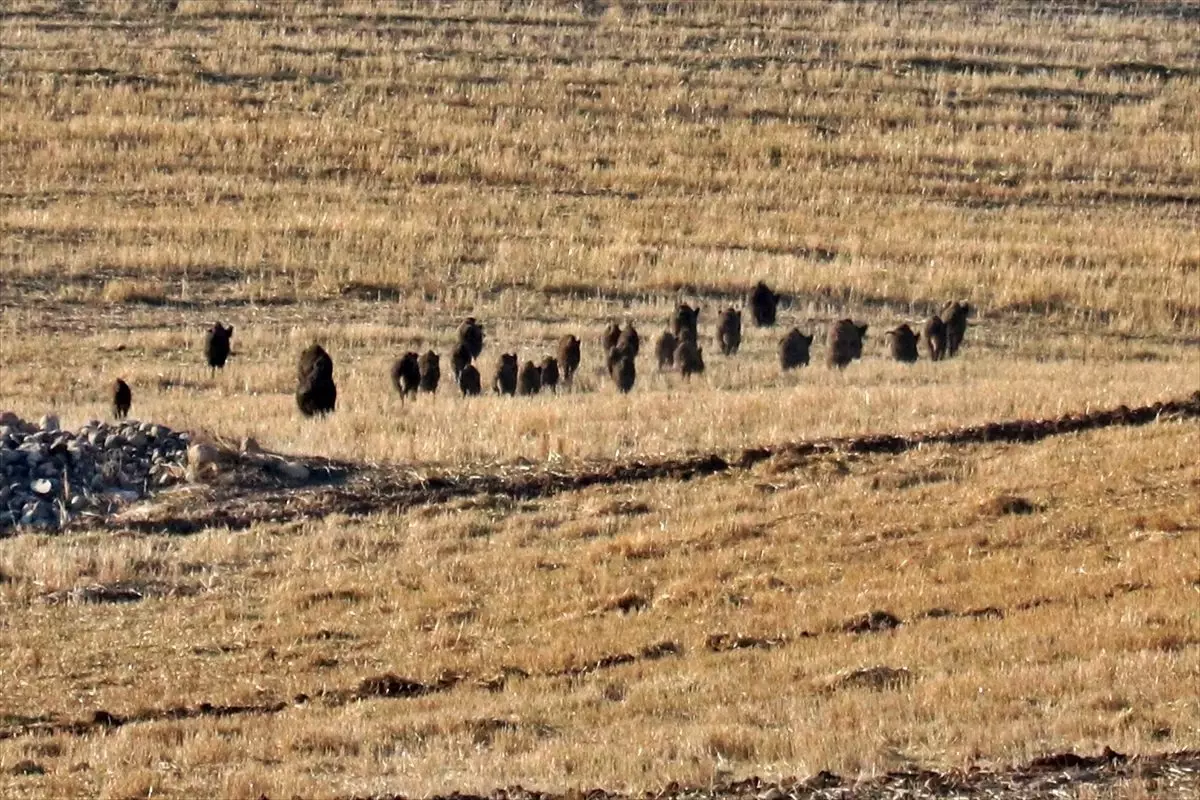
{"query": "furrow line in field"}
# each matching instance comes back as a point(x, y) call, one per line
point(390, 685)
point(363, 491)
point(1175, 774)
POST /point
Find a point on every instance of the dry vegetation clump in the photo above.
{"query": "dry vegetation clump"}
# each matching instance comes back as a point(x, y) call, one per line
point(399, 177)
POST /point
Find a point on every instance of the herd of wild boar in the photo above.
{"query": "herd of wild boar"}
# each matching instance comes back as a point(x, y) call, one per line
point(677, 347)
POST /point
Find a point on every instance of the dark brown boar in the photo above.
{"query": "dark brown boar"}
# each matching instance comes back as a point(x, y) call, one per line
point(529, 380)
point(568, 356)
point(685, 322)
point(729, 331)
point(794, 349)
point(629, 341)
point(664, 350)
point(316, 393)
point(763, 305)
point(430, 367)
point(505, 379)
point(406, 374)
point(608, 339)
point(845, 342)
point(690, 358)
point(935, 338)
point(623, 369)
point(468, 381)
point(955, 314)
point(460, 357)
point(216, 346)
point(550, 374)
point(122, 398)
point(470, 333)
point(902, 343)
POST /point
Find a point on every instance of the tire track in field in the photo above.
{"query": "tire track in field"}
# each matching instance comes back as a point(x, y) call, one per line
point(357, 491)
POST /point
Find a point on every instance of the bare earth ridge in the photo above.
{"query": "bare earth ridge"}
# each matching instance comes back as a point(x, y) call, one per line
point(341, 487)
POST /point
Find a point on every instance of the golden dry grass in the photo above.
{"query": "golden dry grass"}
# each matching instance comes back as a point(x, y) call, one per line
point(1097, 643)
point(368, 173)
point(457, 150)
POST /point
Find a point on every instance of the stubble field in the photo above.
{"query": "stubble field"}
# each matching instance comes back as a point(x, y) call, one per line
point(367, 174)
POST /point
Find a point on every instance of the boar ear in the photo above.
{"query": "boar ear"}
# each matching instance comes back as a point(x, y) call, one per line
point(918, 338)
point(862, 329)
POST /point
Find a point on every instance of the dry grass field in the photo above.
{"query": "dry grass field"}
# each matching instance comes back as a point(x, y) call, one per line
point(365, 174)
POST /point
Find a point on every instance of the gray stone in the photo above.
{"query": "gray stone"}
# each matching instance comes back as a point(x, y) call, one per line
point(95, 467)
point(122, 495)
point(49, 422)
point(37, 511)
point(293, 471)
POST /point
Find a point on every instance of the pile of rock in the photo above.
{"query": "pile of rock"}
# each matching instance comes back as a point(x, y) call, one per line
point(48, 475)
